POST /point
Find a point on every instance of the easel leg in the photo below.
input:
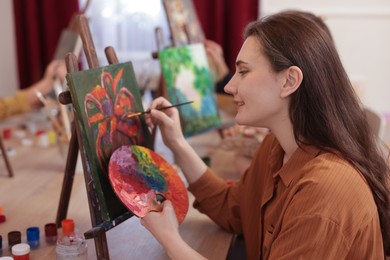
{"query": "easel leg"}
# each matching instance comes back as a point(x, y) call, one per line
point(68, 177)
point(5, 156)
point(101, 247)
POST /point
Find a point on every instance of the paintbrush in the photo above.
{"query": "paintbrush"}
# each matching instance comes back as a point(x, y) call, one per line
point(131, 114)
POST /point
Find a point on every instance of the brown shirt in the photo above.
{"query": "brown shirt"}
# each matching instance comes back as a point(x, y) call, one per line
point(13, 105)
point(316, 206)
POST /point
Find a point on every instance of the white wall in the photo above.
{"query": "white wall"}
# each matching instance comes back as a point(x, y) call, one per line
point(361, 30)
point(8, 62)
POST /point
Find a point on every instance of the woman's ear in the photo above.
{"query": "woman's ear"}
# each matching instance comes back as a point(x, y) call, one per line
point(293, 79)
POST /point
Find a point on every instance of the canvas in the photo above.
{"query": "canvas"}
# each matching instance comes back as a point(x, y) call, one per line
point(187, 77)
point(69, 41)
point(102, 97)
point(180, 13)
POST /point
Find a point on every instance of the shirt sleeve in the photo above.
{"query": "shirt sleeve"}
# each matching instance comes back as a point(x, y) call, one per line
point(13, 105)
point(218, 200)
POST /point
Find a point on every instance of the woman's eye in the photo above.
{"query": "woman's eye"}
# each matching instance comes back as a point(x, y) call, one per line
point(242, 72)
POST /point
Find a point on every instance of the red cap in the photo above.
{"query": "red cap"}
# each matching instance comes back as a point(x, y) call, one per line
point(39, 132)
point(67, 226)
point(2, 218)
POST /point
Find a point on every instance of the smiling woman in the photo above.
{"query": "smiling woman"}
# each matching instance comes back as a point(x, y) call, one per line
point(317, 188)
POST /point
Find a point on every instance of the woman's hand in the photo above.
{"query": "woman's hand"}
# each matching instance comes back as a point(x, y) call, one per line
point(165, 228)
point(169, 123)
point(215, 53)
point(55, 70)
point(163, 225)
point(167, 120)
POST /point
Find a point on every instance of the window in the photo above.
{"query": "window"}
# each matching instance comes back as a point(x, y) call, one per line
point(129, 27)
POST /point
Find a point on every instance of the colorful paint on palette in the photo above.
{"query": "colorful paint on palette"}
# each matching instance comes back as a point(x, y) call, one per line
point(138, 175)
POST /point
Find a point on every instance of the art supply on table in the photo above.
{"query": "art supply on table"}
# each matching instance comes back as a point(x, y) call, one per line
point(20, 133)
point(7, 133)
point(31, 127)
point(6, 258)
point(71, 245)
point(14, 237)
point(21, 251)
point(51, 233)
point(42, 139)
point(52, 137)
point(1, 242)
point(33, 236)
point(2, 218)
point(132, 114)
point(27, 142)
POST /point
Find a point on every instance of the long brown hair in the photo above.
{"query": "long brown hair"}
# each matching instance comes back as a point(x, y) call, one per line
point(325, 110)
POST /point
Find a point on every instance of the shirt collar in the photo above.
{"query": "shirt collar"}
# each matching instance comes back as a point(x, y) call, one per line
point(300, 157)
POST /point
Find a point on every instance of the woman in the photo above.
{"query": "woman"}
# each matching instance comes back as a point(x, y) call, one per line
point(317, 187)
point(26, 100)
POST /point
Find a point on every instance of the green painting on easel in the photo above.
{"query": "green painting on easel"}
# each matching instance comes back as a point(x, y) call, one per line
point(187, 77)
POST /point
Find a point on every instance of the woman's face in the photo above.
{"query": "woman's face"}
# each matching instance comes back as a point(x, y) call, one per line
point(256, 88)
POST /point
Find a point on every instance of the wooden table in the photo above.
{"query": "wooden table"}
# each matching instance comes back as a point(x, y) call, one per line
point(31, 198)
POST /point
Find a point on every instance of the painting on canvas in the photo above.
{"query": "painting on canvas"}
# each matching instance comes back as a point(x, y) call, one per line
point(183, 22)
point(187, 78)
point(102, 97)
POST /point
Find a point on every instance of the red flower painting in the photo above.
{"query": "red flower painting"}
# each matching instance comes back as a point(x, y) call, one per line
point(106, 107)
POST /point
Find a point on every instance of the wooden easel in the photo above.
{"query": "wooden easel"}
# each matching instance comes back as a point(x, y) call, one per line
point(5, 156)
point(161, 89)
point(99, 226)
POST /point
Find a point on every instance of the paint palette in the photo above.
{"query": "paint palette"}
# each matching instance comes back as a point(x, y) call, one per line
point(142, 179)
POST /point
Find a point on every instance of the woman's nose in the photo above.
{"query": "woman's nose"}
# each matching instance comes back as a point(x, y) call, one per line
point(230, 86)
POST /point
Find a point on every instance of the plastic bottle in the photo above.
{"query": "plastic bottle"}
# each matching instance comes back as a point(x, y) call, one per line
point(51, 233)
point(33, 236)
point(21, 251)
point(71, 245)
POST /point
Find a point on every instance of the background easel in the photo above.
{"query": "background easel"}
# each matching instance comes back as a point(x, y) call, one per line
point(159, 37)
point(5, 156)
point(99, 225)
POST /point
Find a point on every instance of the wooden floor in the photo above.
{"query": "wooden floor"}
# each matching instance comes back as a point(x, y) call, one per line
point(31, 198)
